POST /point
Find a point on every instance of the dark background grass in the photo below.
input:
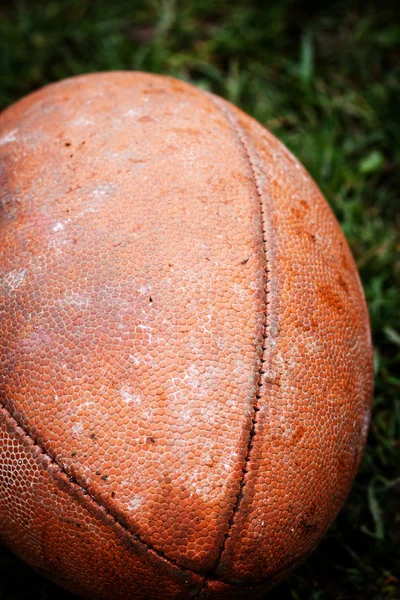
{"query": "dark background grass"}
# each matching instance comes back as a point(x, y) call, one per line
point(325, 78)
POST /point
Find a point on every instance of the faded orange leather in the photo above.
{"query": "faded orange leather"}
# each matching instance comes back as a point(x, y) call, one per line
point(185, 346)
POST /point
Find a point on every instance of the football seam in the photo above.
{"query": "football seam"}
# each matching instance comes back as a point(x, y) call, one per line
point(240, 138)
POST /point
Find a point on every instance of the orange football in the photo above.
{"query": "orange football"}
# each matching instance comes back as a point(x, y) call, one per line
point(185, 346)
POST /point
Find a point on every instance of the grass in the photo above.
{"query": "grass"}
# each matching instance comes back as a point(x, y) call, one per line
point(325, 78)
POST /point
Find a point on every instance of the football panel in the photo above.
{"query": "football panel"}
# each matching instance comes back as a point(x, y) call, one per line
point(315, 389)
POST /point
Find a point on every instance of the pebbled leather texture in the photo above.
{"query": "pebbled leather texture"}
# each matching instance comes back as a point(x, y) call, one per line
point(185, 347)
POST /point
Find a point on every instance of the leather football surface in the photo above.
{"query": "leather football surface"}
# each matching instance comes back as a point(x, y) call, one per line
point(185, 347)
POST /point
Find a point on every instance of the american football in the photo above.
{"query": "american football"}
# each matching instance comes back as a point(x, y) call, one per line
point(185, 346)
